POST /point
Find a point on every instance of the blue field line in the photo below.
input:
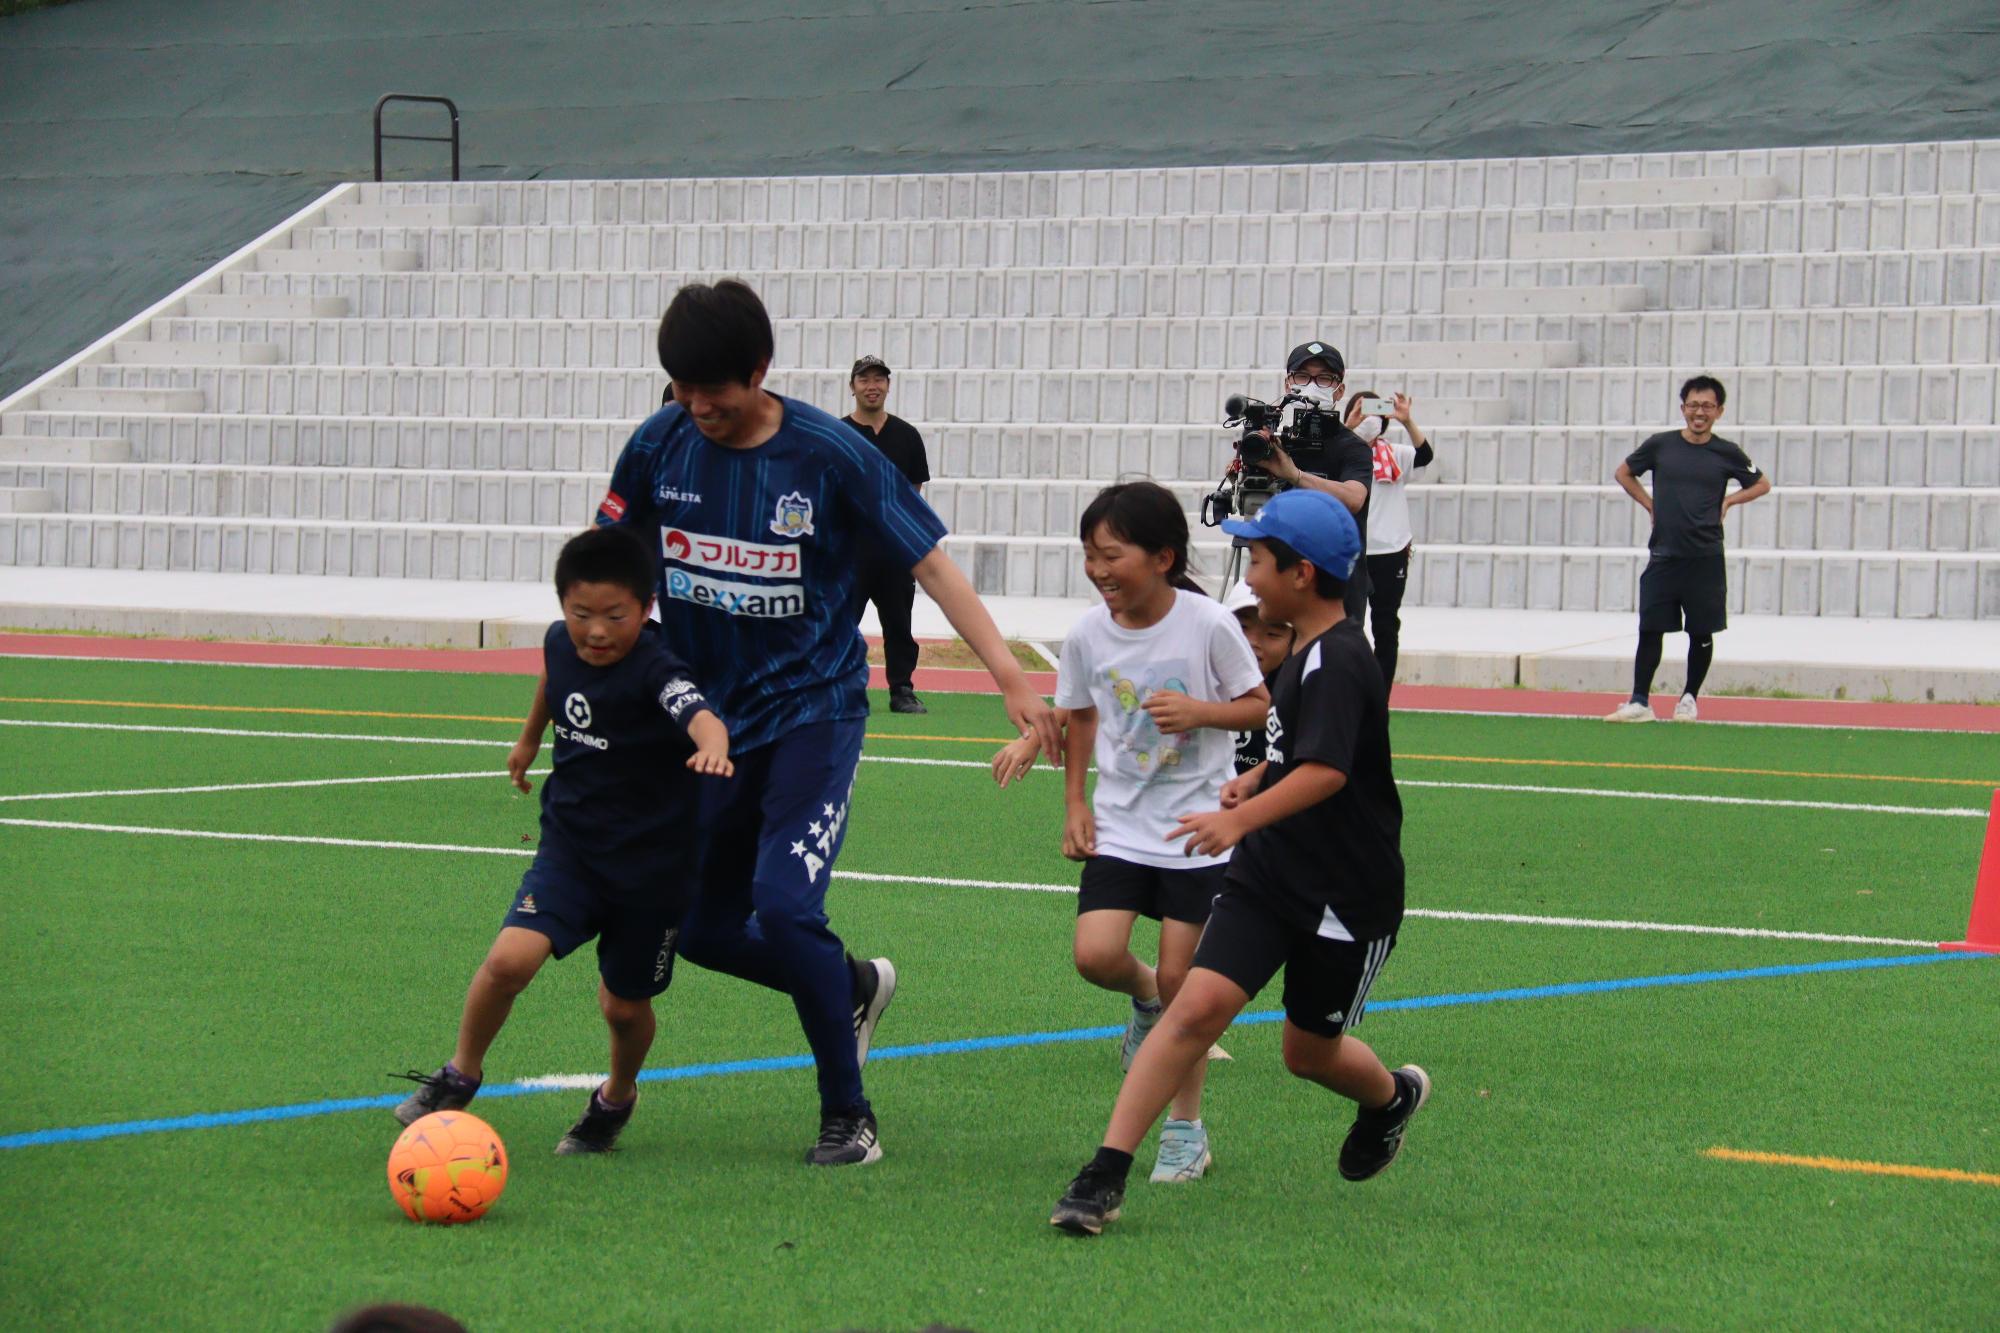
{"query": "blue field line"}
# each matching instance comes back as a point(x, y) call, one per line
point(961, 1046)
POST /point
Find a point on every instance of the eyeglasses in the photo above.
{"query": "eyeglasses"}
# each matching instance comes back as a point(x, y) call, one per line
point(1325, 380)
point(1709, 409)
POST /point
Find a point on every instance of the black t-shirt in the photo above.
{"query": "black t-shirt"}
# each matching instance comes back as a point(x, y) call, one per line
point(1345, 456)
point(1689, 481)
point(1335, 868)
point(621, 796)
point(1250, 744)
point(902, 443)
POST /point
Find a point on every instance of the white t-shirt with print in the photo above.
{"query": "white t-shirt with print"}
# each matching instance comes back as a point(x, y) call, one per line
point(1145, 780)
point(1388, 498)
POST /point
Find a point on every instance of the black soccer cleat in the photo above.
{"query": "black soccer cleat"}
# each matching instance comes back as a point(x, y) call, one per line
point(846, 1140)
point(1090, 1201)
point(446, 1090)
point(874, 985)
point(599, 1128)
point(1377, 1136)
point(903, 699)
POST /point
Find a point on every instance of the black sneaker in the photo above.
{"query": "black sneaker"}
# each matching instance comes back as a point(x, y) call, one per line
point(874, 987)
point(446, 1090)
point(903, 699)
point(846, 1140)
point(1377, 1136)
point(598, 1130)
point(1090, 1201)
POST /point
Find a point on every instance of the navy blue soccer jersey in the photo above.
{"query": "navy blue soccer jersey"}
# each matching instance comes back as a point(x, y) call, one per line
point(621, 796)
point(758, 553)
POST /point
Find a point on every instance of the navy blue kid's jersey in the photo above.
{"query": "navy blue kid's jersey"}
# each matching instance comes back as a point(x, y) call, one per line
point(621, 795)
point(758, 553)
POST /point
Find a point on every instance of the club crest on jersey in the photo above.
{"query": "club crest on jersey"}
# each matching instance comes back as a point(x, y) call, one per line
point(577, 709)
point(794, 517)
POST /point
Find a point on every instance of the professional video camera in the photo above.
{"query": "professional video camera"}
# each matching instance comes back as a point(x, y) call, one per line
point(1244, 487)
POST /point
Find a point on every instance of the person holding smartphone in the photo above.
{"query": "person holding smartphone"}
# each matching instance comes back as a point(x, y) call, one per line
point(1389, 537)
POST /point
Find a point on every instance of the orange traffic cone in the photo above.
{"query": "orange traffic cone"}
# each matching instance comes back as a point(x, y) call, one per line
point(1982, 932)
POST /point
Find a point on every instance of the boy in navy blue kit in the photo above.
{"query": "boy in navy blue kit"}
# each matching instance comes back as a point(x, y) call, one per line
point(756, 507)
point(617, 856)
point(1315, 884)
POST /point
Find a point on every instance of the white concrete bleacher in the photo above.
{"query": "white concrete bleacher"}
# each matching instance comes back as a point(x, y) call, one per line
point(429, 380)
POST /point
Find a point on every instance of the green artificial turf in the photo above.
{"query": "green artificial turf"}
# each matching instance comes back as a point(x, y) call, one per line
point(1557, 1179)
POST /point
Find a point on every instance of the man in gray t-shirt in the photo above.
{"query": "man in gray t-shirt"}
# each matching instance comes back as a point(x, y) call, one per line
point(1684, 577)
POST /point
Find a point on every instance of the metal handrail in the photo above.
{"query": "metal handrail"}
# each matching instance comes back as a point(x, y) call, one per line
point(452, 139)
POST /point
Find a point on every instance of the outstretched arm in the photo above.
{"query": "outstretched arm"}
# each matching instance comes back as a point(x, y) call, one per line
point(944, 584)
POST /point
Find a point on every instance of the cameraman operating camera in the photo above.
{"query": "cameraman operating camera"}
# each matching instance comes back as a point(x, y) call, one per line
point(1345, 467)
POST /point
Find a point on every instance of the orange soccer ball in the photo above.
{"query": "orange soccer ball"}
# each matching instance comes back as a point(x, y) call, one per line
point(447, 1167)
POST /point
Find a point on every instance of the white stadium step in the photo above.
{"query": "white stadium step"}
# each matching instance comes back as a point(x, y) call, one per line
point(112, 399)
point(1725, 282)
point(64, 449)
point(25, 500)
point(1543, 300)
point(1613, 244)
point(1469, 355)
point(1678, 190)
point(407, 215)
point(223, 305)
point(337, 261)
point(143, 353)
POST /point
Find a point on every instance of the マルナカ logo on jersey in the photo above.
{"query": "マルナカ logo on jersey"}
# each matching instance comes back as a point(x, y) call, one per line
point(729, 555)
point(794, 516)
point(577, 709)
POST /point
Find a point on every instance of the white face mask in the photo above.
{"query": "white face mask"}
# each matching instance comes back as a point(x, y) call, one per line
point(1369, 428)
point(1319, 395)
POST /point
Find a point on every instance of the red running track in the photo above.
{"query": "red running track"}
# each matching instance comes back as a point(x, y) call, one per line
point(945, 680)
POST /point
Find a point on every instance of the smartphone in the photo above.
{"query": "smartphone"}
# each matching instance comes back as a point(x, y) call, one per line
point(1377, 407)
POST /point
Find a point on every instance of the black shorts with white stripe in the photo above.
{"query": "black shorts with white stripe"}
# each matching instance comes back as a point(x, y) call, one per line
point(1326, 979)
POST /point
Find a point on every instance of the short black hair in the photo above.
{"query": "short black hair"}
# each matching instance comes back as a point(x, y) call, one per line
point(715, 335)
point(1329, 586)
point(608, 554)
point(1709, 382)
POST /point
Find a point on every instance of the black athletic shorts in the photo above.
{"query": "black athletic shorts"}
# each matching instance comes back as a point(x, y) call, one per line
point(1326, 981)
point(1694, 586)
point(563, 898)
point(1181, 894)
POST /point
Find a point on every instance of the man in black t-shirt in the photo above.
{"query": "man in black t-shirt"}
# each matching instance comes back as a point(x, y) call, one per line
point(1345, 467)
point(1685, 578)
point(886, 582)
point(1315, 885)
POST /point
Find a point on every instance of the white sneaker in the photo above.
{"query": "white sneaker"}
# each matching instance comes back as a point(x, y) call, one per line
point(1184, 1152)
point(1630, 711)
point(1685, 711)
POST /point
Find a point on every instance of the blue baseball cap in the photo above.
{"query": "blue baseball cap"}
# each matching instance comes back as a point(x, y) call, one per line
point(1312, 523)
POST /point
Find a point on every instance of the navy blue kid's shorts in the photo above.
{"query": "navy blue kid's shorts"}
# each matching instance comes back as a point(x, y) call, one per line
point(563, 898)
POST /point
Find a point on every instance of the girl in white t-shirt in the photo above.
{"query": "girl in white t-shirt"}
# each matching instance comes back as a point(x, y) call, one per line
point(1154, 682)
point(1389, 536)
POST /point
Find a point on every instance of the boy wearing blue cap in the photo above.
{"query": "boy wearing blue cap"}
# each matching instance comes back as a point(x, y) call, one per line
point(1315, 884)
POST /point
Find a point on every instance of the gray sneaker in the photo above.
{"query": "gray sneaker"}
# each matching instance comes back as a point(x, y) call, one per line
point(1136, 1028)
point(446, 1090)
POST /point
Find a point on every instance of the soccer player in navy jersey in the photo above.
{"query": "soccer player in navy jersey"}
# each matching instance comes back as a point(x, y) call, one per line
point(616, 859)
point(759, 506)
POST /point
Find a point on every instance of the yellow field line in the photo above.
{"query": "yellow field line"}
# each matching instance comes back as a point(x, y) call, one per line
point(1844, 1164)
point(257, 708)
point(1510, 761)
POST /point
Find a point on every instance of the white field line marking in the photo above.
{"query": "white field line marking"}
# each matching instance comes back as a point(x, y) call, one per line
point(1706, 721)
point(260, 786)
point(1964, 812)
point(577, 1081)
point(1704, 798)
point(1503, 918)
